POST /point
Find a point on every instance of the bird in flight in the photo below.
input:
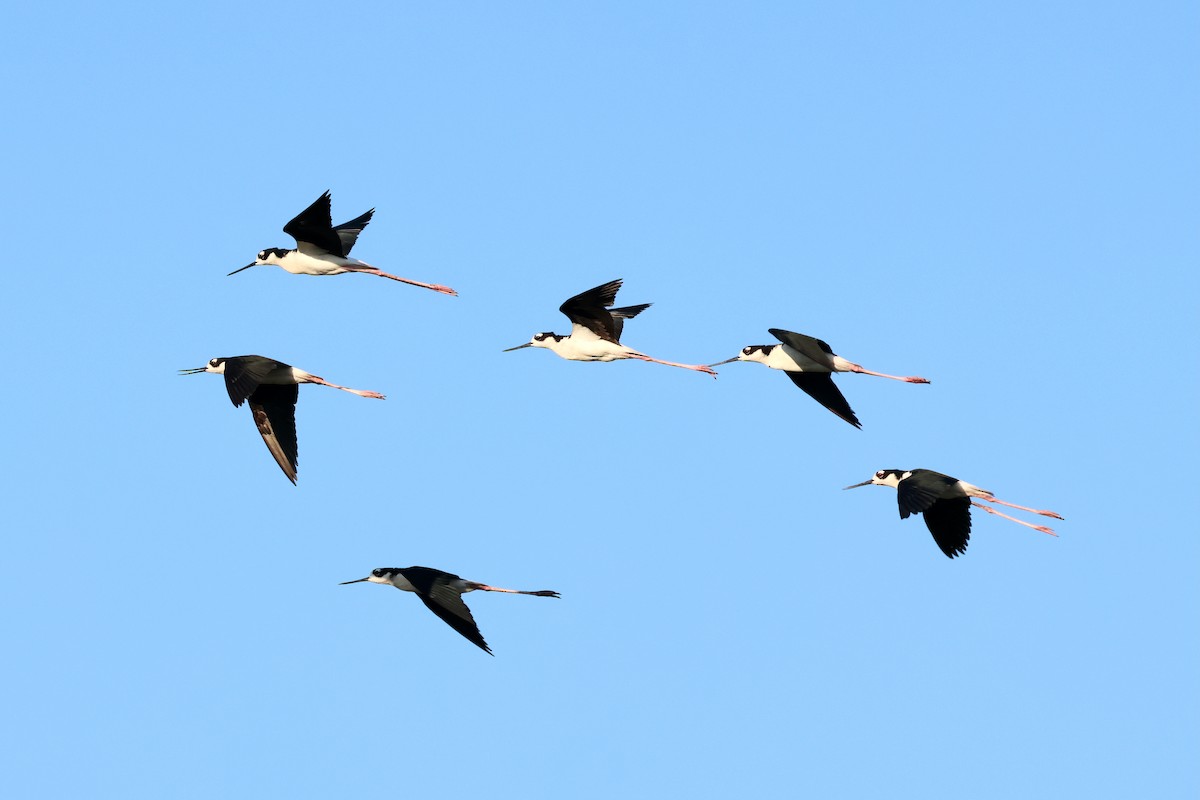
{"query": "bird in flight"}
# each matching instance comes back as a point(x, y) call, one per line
point(945, 503)
point(272, 388)
point(442, 592)
point(323, 248)
point(596, 330)
point(810, 363)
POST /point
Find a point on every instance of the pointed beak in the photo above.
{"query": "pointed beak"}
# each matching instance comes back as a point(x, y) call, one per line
point(855, 486)
point(195, 371)
point(518, 347)
point(346, 583)
point(726, 361)
point(236, 271)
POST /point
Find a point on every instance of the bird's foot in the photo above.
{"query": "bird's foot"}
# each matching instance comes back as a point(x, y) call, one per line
point(372, 395)
point(1050, 514)
point(914, 379)
point(443, 289)
point(706, 370)
point(1044, 529)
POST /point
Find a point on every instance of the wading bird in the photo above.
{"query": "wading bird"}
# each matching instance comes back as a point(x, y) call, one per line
point(596, 330)
point(946, 504)
point(324, 249)
point(272, 388)
point(810, 363)
point(442, 592)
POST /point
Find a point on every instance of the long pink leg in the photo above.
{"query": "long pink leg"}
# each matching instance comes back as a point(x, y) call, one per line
point(540, 593)
point(434, 286)
point(697, 367)
point(908, 379)
point(359, 392)
point(1024, 508)
point(991, 510)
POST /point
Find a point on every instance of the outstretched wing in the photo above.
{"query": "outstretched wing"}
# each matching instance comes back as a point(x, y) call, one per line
point(348, 231)
point(447, 603)
point(813, 349)
point(314, 226)
point(619, 315)
point(920, 490)
point(243, 374)
point(274, 410)
point(589, 310)
point(820, 387)
point(949, 521)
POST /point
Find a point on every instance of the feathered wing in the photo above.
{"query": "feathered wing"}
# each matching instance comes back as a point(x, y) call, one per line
point(813, 349)
point(820, 387)
point(921, 490)
point(447, 603)
point(274, 410)
point(589, 310)
point(619, 315)
point(348, 231)
point(949, 520)
point(314, 225)
point(243, 374)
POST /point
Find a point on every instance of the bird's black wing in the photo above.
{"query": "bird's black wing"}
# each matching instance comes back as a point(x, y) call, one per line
point(314, 225)
point(447, 603)
point(243, 374)
point(820, 387)
point(949, 521)
point(812, 349)
point(348, 231)
point(274, 410)
point(619, 315)
point(590, 309)
point(920, 490)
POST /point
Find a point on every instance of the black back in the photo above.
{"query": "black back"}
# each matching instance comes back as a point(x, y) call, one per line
point(820, 387)
point(314, 225)
point(274, 410)
point(922, 489)
point(590, 309)
point(433, 587)
point(243, 374)
point(814, 349)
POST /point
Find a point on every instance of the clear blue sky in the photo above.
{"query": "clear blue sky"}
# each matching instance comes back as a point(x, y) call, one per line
point(1001, 197)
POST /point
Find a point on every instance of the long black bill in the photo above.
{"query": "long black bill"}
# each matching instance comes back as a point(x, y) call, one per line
point(236, 271)
point(518, 347)
point(344, 583)
point(726, 361)
point(855, 486)
point(195, 371)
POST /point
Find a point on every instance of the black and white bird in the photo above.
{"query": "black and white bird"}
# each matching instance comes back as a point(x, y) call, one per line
point(272, 388)
point(945, 503)
point(442, 592)
point(323, 248)
point(596, 330)
point(810, 363)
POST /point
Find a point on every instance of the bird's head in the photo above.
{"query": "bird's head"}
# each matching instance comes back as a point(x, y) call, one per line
point(378, 575)
point(885, 477)
point(754, 352)
point(215, 366)
point(272, 255)
point(547, 340)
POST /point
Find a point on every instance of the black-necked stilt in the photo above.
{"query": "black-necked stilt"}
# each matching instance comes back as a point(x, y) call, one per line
point(810, 363)
point(442, 593)
point(946, 504)
point(596, 330)
point(324, 249)
point(272, 388)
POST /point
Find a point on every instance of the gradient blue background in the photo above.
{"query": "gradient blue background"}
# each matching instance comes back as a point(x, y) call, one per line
point(1001, 197)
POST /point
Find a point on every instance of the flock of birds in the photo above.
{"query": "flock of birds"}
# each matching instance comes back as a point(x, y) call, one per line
point(272, 387)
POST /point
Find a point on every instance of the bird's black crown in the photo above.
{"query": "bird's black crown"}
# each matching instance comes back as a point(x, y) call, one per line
point(541, 337)
point(273, 251)
point(766, 349)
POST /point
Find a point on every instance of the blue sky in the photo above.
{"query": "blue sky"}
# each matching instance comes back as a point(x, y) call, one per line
point(1000, 197)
